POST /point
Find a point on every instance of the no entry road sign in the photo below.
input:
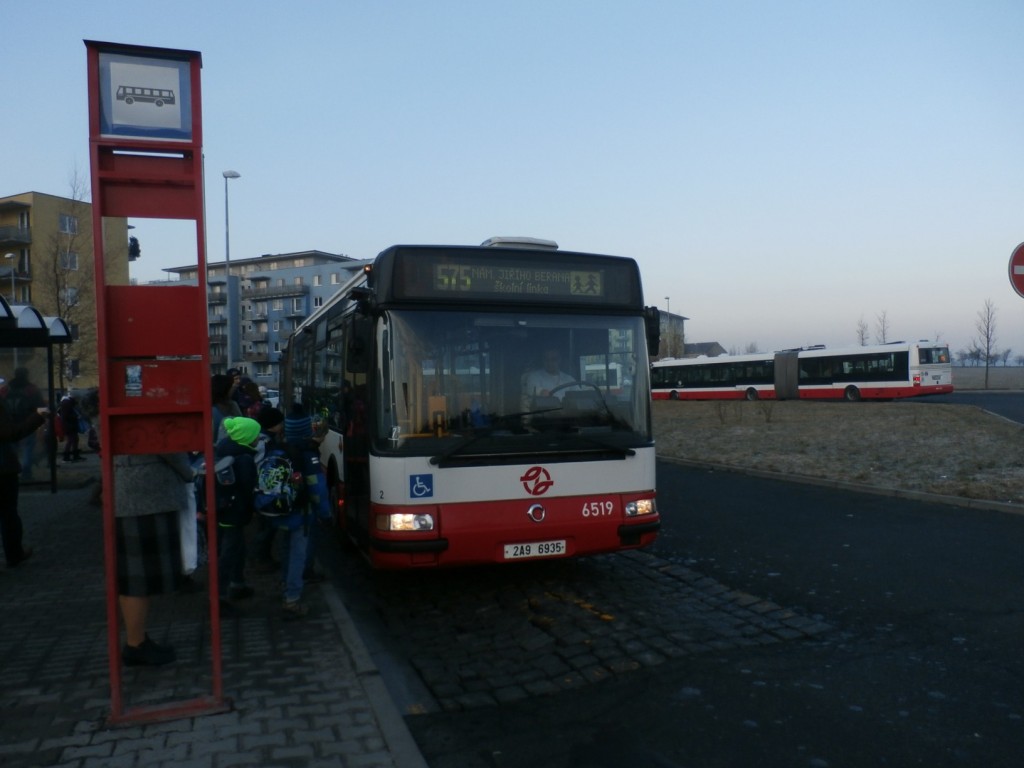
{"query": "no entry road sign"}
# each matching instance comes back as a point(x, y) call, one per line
point(1017, 269)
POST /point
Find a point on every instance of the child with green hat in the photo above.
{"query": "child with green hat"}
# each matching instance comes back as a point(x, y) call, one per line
point(234, 497)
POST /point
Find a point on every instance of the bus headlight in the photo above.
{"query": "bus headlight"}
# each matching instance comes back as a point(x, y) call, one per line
point(640, 507)
point(403, 521)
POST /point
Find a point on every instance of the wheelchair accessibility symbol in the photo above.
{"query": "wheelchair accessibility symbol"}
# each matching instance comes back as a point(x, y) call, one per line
point(421, 486)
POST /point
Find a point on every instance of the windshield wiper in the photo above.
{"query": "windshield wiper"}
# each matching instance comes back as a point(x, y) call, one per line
point(459, 447)
point(603, 444)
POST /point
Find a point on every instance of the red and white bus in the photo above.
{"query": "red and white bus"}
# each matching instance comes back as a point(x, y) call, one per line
point(436, 453)
point(883, 372)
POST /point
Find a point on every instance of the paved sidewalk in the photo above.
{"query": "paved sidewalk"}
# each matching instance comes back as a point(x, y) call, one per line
point(302, 693)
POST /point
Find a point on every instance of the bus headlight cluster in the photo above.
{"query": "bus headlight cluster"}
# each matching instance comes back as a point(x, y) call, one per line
point(405, 522)
point(640, 507)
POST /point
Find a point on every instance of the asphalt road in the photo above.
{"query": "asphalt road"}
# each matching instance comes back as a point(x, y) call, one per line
point(921, 664)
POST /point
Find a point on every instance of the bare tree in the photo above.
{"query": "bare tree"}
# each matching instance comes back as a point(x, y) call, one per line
point(862, 332)
point(63, 272)
point(882, 328)
point(751, 348)
point(986, 341)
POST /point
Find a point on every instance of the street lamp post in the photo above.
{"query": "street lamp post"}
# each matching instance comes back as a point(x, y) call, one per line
point(227, 259)
point(668, 326)
point(14, 262)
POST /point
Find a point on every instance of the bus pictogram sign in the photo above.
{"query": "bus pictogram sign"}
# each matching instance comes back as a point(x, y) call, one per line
point(1017, 270)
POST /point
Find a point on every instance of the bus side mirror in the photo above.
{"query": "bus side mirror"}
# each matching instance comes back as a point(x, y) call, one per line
point(357, 359)
point(652, 322)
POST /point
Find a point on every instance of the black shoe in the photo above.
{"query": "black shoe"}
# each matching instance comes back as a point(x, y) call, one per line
point(266, 566)
point(240, 593)
point(312, 576)
point(26, 553)
point(148, 654)
point(294, 610)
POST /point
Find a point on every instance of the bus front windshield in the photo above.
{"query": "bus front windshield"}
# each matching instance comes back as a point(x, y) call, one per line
point(471, 384)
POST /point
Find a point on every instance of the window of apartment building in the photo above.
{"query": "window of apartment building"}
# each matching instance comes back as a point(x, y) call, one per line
point(335, 278)
point(298, 281)
point(68, 224)
point(70, 296)
point(318, 301)
point(318, 280)
point(299, 263)
point(298, 305)
point(69, 261)
point(278, 305)
point(73, 328)
point(277, 326)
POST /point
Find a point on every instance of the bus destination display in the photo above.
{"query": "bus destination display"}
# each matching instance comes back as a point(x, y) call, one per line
point(430, 273)
point(520, 280)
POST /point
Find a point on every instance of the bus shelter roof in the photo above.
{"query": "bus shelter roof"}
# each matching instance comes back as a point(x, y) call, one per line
point(22, 325)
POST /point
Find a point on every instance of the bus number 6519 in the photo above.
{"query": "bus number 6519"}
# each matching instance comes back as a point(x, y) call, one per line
point(598, 508)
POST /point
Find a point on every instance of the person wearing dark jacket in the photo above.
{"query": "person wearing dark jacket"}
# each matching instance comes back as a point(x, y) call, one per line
point(11, 432)
point(234, 501)
point(23, 397)
point(69, 417)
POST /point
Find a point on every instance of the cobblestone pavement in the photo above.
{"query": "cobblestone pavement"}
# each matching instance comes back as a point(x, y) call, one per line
point(489, 636)
point(299, 693)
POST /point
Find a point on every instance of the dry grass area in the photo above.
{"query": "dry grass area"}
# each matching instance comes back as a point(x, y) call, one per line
point(954, 450)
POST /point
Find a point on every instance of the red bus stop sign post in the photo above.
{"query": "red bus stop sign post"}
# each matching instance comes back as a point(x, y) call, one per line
point(1017, 269)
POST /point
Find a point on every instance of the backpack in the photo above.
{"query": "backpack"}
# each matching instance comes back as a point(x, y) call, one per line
point(280, 487)
point(224, 489)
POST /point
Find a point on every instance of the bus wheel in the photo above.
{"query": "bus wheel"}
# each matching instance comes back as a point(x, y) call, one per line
point(673, 395)
point(751, 394)
point(852, 394)
point(129, 100)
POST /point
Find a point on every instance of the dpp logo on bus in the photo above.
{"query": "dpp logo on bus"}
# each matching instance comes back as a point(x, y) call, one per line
point(537, 481)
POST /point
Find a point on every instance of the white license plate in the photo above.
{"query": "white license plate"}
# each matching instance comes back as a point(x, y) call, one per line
point(535, 549)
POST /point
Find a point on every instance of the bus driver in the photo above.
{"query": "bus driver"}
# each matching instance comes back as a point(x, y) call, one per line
point(543, 382)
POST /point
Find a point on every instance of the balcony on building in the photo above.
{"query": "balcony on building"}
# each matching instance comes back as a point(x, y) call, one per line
point(14, 237)
point(267, 292)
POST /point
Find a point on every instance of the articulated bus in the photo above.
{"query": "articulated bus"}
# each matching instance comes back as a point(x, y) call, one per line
point(884, 372)
point(436, 452)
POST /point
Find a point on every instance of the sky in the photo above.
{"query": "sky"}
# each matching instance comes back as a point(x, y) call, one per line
point(781, 171)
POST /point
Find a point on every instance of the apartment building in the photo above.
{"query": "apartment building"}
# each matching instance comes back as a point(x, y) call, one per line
point(254, 308)
point(47, 260)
